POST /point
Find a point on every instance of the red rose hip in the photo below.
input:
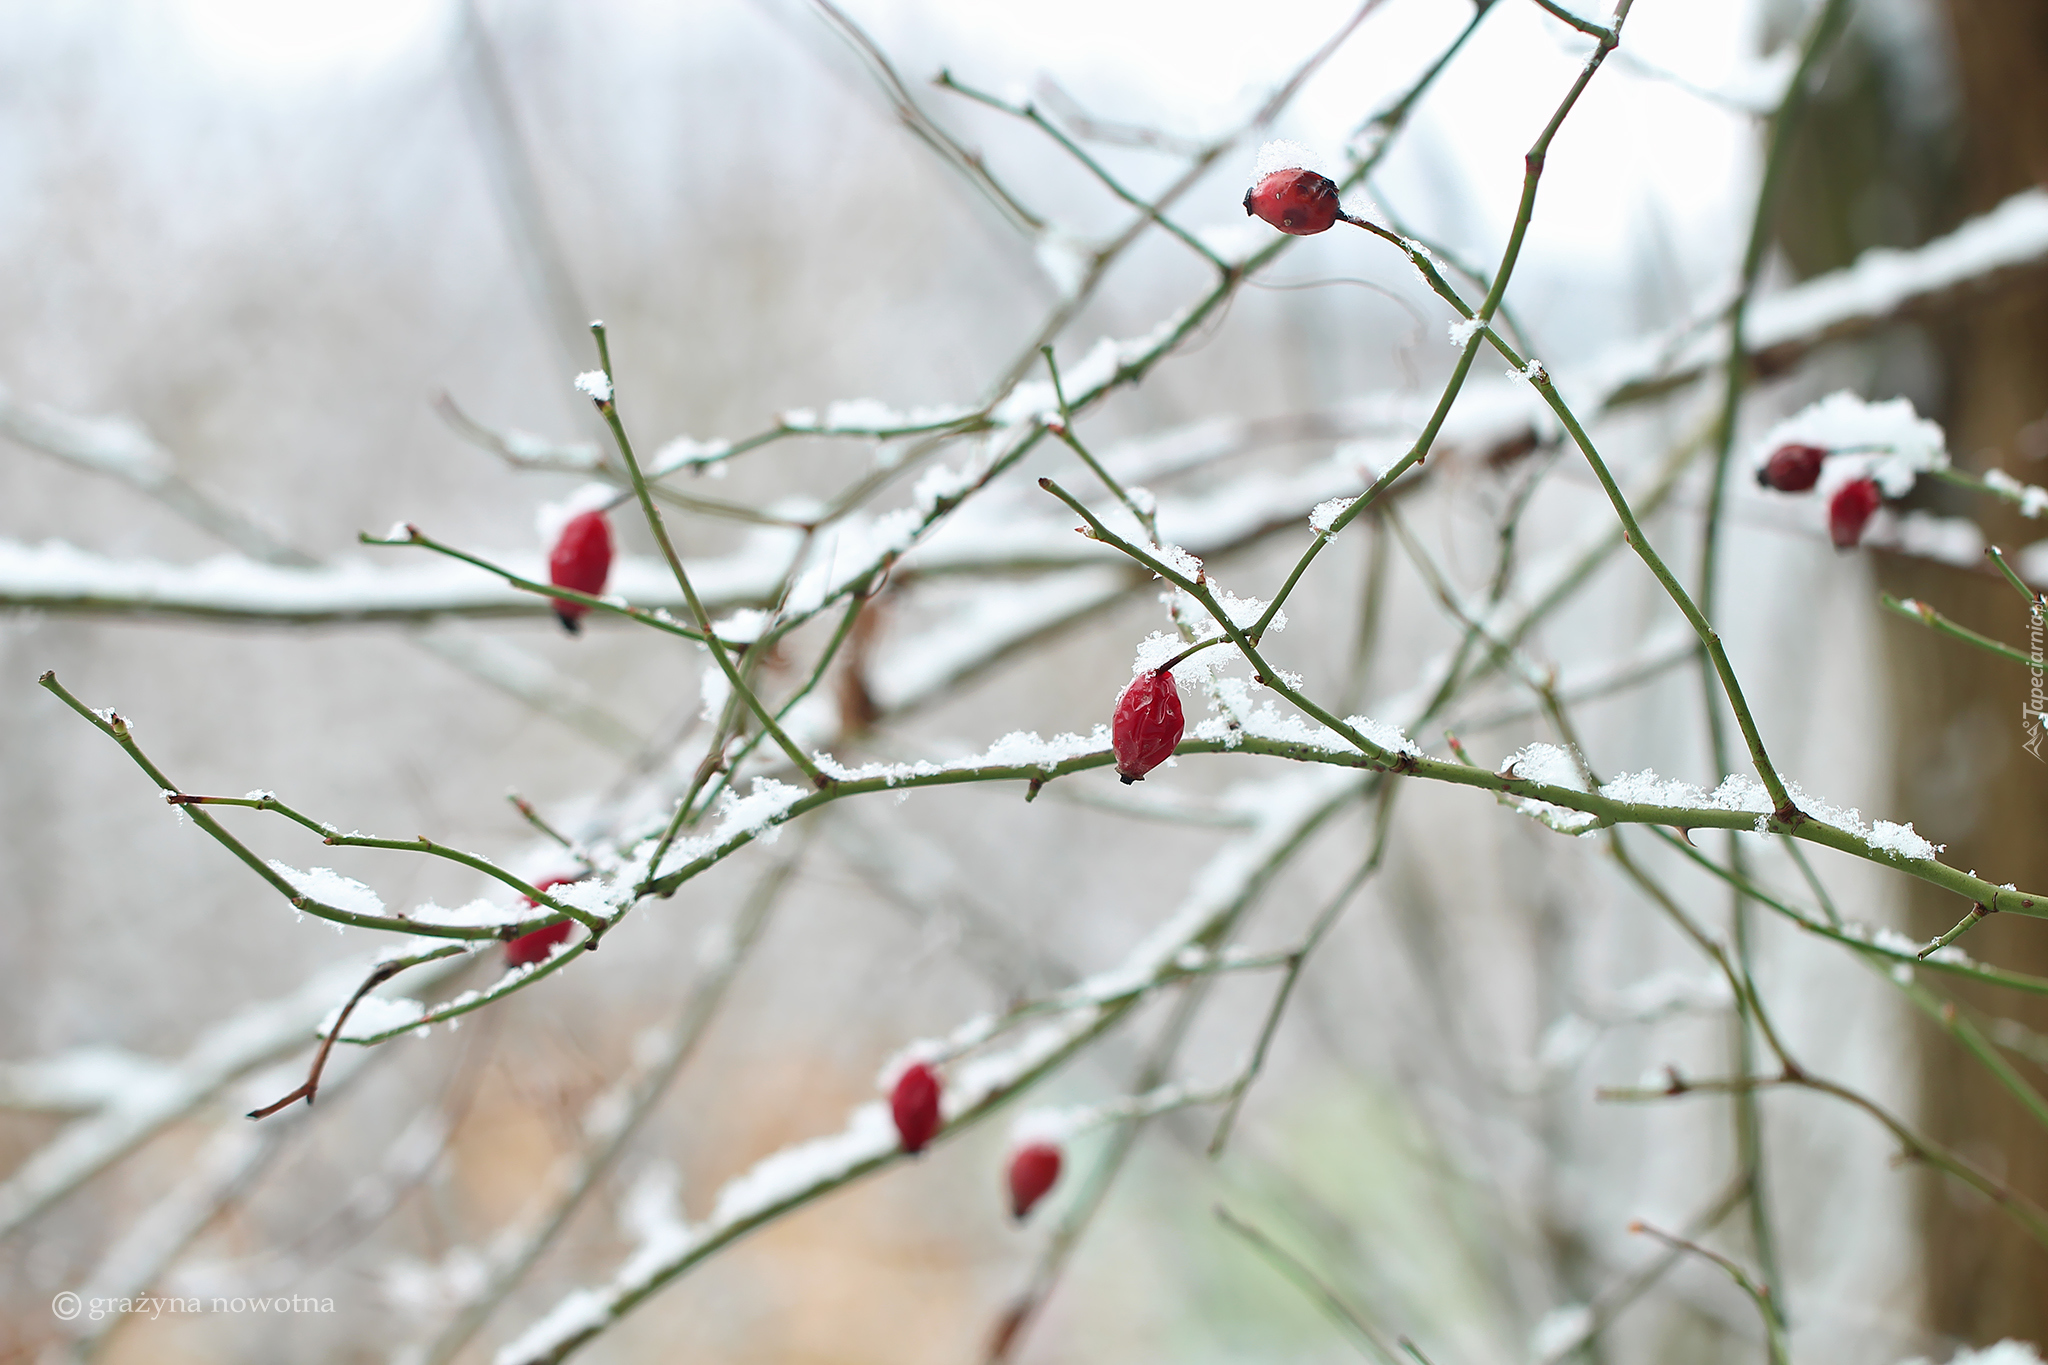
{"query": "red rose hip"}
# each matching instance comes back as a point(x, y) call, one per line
point(1296, 201)
point(536, 946)
point(1034, 1168)
point(581, 559)
point(914, 1104)
point(1146, 725)
point(1850, 510)
point(1792, 469)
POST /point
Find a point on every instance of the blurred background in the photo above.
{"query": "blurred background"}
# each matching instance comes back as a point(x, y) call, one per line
point(275, 237)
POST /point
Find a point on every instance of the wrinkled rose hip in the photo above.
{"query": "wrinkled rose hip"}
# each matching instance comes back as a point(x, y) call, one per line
point(1792, 469)
point(1147, 724)
point(1296, 201)
point(581, 559)
point(1034, 1168)
point(1850, 510)
point(914, 1104)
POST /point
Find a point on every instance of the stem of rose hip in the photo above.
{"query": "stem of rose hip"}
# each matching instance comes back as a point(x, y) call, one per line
point(1190, 652)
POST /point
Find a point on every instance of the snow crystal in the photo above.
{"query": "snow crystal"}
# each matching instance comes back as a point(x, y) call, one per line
point(1327, 512)
point(1462, 330)
point(2032, 498)
point(1553, 767)
point(332, 889)
point(1244, 612)
point(1900, 841)
point(1888, 441)
point(1647, 789)
point(1545, 763)
point(1282, 155)
point(1532, 373)
point(596, 383)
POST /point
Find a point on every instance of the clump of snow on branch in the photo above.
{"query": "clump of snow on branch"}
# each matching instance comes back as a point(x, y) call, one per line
point(1553, 767)
point(1462, 330)
point(679, 451)
point(1036, 401)
point(1018, 749)
point(330, 888)
point(2032, 498)
point(1237, 717)
point(1326, 514)
point(1746, 794)
point(868, 1138)
point(596, 383)
point(1888, 441)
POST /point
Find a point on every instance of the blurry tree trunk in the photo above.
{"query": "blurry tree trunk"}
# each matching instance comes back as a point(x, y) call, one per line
point(1874, 169)
point(1963, 773)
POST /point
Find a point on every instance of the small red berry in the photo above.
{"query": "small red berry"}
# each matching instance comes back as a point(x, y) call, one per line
point(1792, 469)
point(536, 946)
point(1034, 1168)
point(1850, 510)
point(1146, 725)
point(581, 559)
point(1296, 201)
point(914, 1103)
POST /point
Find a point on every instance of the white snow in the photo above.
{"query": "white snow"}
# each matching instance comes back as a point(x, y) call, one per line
point(330, 888)
point(579, 1311)
point(2032, 498)
point(1462, 330)
point(793, 1172)
point(1282, 155)
point(1326, 512)
point(2006, 1352)
point(596, 383)
point(399, 583)
point(1887, 441)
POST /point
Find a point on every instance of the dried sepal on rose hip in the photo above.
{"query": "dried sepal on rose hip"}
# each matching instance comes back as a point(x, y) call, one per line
point(1792, 468)
point(580, 558)
point(1034, 1169)
point(538, 945)
point(1850, 511)
point(1146, 725)
point(914, 1105)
